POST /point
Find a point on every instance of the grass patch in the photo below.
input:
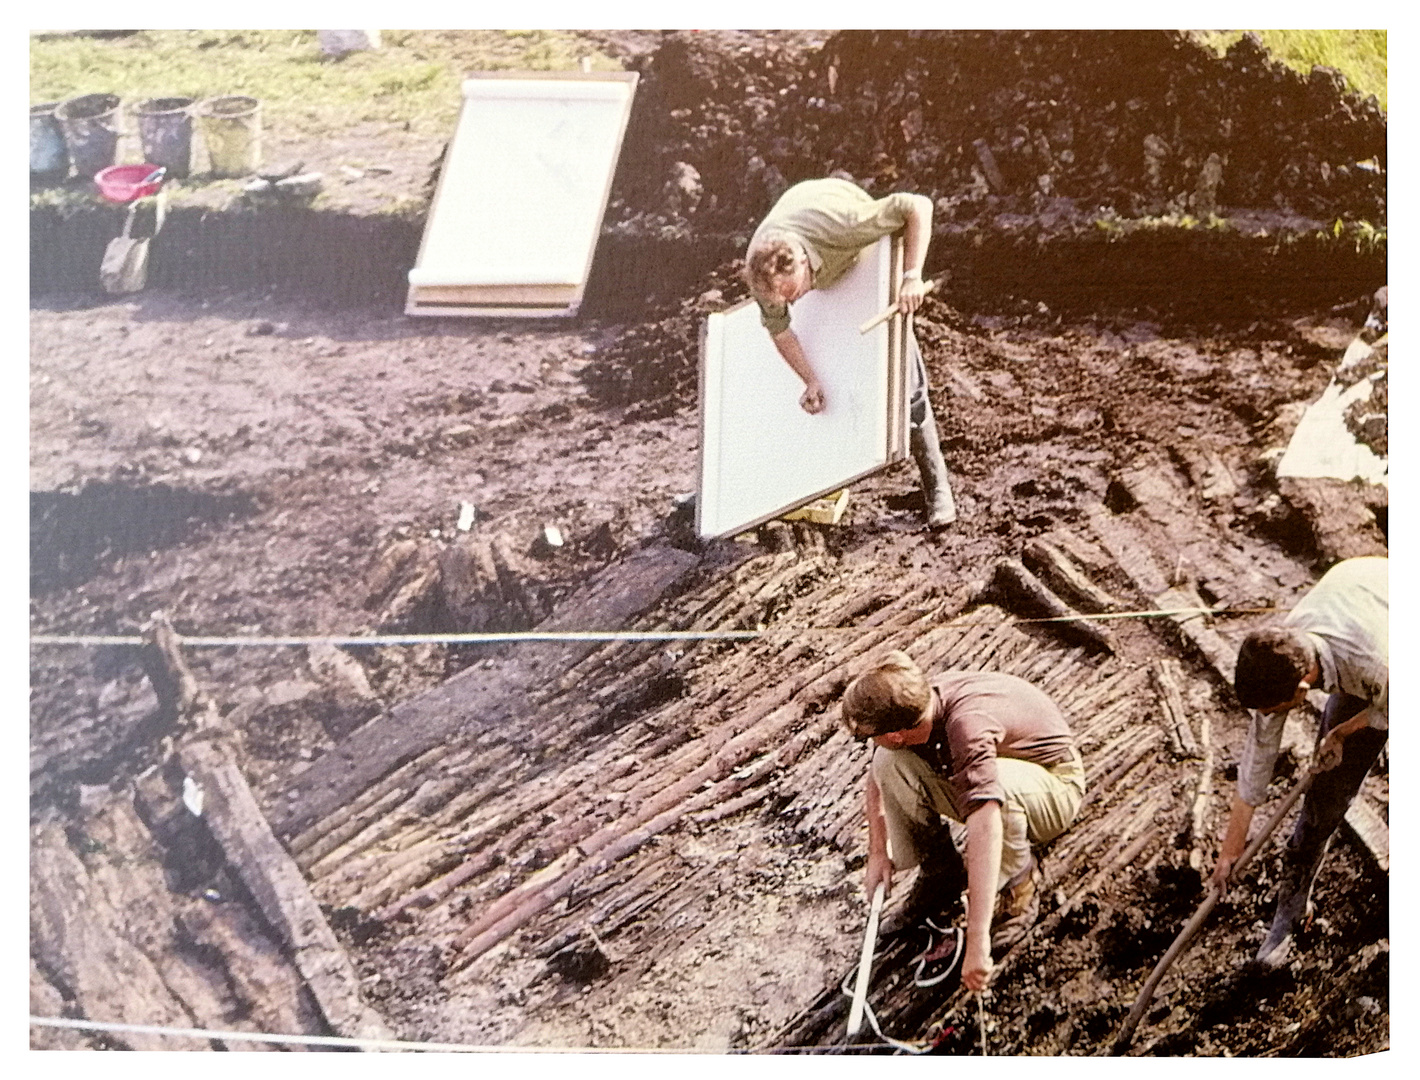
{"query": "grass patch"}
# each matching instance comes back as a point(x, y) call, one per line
point(413, 79)
point(1360, 55)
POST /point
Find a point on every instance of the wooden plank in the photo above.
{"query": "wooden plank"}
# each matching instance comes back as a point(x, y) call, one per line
point(481, 698)
point(279, 888)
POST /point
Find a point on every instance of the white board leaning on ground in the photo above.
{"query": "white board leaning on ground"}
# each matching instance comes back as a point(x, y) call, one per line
point(761, 455)
point(521, 196)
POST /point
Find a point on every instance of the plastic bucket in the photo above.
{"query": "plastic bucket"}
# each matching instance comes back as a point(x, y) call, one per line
point(124, 183)
point(231, 128)
point(90, 124)
point(49, 157)
point(165, 130)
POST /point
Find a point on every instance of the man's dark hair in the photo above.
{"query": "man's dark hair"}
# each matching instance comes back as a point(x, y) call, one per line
point(1272, 663)
point(890, 697)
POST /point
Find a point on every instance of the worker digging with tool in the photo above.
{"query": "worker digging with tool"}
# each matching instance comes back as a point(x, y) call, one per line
point(982, 749)
point(1337, 639)
point(812, 236)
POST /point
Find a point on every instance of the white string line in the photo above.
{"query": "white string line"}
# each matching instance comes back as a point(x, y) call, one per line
point(199, 642)
point(336, 1040)
point(410, 639)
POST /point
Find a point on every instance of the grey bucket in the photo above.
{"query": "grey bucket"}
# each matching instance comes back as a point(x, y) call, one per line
point(165, 130)
point(49, 157)
point(90, 124)
point(231, 128)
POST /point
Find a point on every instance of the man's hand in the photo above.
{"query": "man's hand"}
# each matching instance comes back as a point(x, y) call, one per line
point(1221, 871)
point(1234, 842)
point(909, 297)
point(879, 869)
point(811, 401)
point(1328, 754)
point(977, 968)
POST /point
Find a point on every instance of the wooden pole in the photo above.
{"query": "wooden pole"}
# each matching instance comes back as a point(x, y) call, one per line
point(865, 963)
point(883, 316)
point(1126, 1035)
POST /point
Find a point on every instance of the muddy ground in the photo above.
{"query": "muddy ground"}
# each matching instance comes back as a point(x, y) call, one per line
point(258, 466)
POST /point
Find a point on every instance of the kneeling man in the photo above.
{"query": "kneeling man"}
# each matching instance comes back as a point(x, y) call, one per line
point(976, 747)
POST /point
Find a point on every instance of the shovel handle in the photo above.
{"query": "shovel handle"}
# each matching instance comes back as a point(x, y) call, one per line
point(865, 963)
point(883, 316)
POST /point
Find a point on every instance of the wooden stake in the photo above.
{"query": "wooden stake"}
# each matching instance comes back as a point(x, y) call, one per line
point(865, 963)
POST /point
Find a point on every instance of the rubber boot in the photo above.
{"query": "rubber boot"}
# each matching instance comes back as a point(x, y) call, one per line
point(936, 488)
point(1293, 902)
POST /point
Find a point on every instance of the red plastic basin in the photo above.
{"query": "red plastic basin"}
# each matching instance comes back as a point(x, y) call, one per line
point(122, 183)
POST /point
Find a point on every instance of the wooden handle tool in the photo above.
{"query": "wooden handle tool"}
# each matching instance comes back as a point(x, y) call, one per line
point(884, 316)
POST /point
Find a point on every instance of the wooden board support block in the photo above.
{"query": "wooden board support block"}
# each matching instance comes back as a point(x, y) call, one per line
point(826, 511)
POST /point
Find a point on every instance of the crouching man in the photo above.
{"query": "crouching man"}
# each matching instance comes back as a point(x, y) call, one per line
point(980, 748)
point(1336, 639)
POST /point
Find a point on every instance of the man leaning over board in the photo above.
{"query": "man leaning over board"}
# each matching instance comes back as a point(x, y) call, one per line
point(811, 237)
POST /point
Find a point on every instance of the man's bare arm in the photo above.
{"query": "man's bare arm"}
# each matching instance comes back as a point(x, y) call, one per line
point(917, 235)
point(787, 342)
point(1234, 840)
point(983, 868)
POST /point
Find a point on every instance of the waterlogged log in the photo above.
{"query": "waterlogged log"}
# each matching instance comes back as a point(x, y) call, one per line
point(1168, 680)
point(260, 861)
point(477, 699)
point(1059, 572)
point(1025, 594)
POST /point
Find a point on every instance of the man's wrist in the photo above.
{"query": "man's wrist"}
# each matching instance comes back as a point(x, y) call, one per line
point(912, 275)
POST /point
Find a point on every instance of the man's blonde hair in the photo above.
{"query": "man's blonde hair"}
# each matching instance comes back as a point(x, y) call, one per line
point(770, 256)
point(890, 697)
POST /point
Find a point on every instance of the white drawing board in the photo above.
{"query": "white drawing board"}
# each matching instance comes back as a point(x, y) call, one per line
point(521, 195)
point(761, 455)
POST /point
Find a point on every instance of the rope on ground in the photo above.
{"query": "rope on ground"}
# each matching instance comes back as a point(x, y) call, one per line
point(981, 1020)
point(905, 1047)
point(524, 636)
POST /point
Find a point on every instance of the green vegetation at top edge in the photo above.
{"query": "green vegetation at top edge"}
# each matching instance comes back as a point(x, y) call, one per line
point(1360, 55)
point(413, 78)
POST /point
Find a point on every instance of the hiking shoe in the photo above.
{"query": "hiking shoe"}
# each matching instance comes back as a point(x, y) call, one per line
point(942, 955)
point(1293, 902)
point(1017, 908)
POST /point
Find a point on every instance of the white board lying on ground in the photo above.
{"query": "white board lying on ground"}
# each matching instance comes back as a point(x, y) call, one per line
point(761, 455)
point(521, 195)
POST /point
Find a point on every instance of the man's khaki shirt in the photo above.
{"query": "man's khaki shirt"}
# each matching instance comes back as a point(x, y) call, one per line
point(835, 220)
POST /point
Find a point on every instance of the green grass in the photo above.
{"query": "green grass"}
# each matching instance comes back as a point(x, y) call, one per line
point(1360, 55)
point(414, 78)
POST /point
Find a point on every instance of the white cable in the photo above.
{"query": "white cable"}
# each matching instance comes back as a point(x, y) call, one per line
point(327, 1040)
point(411, 639)
point(909, 1048)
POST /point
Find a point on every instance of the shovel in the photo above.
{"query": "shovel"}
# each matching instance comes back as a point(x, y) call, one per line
point(1146, 995)
point(125, 264)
